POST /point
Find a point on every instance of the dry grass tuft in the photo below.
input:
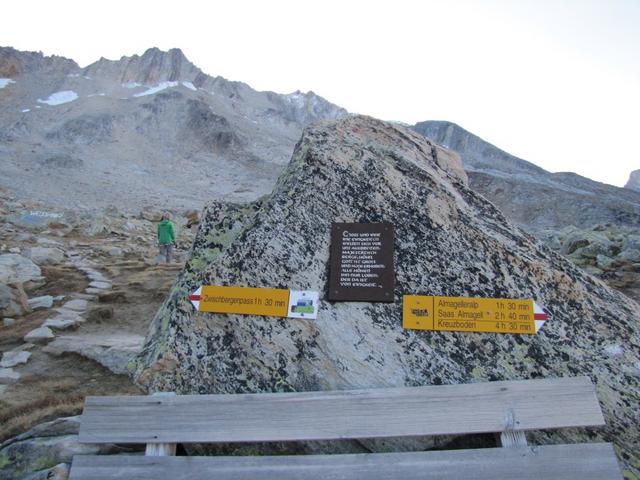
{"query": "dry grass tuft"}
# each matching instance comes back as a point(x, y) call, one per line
point(15, 421)
point(48, 399)
point(51, 398)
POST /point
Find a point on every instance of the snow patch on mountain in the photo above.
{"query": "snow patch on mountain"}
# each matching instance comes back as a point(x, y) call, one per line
point(58, 98)
point(5, 81)
point(190, 86)
point(158, 88)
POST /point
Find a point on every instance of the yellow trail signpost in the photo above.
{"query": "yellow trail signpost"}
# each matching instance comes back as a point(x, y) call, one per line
point(499, 315)
point(269, 302)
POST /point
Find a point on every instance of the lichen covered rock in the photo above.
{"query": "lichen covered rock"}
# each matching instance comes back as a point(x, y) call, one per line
point(448, 241)
point(45, 451)
point(607, 251)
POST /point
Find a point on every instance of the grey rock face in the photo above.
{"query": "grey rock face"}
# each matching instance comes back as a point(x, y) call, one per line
point(41, 303)
point(85, 129)
point(77, 305)
point(8, 376)
point(39, 335)
point(15, 268)
point(113, 352)
point(152, 67)
point(100, 285)
point(527, 194)
point(12, 301)
point(45, 255)
point(63, 320)
point(55, 428)
point(11, 359)
point(14, 63)
point(45, 451)
point(634, 181)
point(610, 252)
point(449, 241)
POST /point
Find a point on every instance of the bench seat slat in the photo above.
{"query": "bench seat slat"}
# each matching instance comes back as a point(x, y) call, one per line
point(388, 412)
point(566, 462)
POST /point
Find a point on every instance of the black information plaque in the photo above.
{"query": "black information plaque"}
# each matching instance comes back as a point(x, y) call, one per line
point(361, 268)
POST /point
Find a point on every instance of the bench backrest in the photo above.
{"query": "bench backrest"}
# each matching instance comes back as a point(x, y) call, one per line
point(330, 415)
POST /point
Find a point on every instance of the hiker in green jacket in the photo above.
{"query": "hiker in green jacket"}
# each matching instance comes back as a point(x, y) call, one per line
point(166, 238)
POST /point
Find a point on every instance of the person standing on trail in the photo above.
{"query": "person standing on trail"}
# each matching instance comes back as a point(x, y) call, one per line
point(166, 238)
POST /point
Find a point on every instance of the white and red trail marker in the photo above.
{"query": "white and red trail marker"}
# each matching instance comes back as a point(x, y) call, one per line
point(539, 316)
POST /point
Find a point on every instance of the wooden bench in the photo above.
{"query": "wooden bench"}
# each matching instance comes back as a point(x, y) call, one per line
point(506, 408)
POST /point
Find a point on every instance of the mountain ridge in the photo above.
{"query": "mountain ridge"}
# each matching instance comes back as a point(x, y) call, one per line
point(530, 195)
point(140, 129)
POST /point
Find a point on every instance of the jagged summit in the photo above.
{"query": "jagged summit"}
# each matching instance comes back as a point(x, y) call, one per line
point(153, 66)
point(14, 63)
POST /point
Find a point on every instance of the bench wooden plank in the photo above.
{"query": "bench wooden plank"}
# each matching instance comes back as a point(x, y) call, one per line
point(388, 412)
point(161, 449)
point(566, 462)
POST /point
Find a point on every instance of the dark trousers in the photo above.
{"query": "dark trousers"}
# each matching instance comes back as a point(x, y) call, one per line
point(166, 251)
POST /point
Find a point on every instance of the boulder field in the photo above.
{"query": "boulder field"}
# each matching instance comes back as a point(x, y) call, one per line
point(449, 241)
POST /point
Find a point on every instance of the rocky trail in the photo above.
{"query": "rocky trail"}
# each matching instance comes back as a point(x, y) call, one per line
point(76, 303)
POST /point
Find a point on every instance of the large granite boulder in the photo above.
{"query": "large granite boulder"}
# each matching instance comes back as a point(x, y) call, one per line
point(448, 241)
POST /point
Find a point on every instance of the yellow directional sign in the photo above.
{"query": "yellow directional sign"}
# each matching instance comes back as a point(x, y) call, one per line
point(269, 302)
point(250, 301)
point(500, 315)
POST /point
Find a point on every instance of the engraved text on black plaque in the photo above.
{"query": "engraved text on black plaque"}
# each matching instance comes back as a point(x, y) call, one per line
point(361, 262)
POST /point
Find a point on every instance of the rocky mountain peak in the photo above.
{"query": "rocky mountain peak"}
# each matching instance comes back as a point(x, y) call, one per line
point(14, 63)
point(634, 181)
point(305, 108)
point(152, 67)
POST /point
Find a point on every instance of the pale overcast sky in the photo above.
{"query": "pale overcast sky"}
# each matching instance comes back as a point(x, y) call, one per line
point(554, 82)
